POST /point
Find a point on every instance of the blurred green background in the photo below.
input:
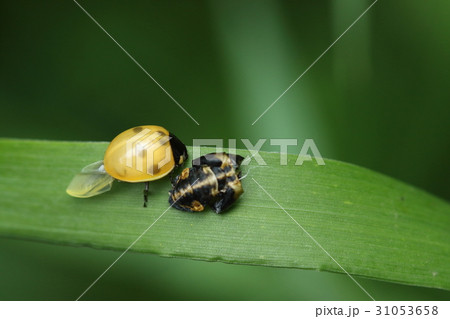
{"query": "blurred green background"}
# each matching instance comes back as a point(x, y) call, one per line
point(379, 98)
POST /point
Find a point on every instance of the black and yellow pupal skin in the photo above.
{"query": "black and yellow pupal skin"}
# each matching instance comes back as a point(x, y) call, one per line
point(212, 181)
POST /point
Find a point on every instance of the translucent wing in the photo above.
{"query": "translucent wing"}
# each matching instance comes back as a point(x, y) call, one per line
point(91, 181)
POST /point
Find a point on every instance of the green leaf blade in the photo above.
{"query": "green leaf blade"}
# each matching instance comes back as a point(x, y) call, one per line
point(372, 225)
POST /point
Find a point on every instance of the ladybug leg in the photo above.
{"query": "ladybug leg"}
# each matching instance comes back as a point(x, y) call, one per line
point(146, 194)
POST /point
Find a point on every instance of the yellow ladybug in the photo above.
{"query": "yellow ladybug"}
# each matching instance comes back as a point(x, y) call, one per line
point(141, 154)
